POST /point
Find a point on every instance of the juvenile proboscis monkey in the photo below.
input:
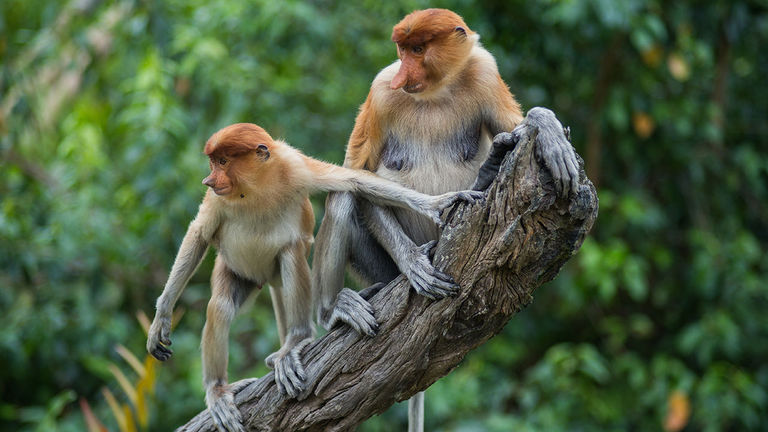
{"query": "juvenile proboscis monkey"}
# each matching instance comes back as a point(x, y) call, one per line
point(428, 124)
point(258, 215)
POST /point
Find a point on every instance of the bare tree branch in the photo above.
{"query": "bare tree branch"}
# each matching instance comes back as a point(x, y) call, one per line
point(499, 251)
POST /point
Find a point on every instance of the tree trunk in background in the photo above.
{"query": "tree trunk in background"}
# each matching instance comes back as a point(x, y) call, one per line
point(499, 250)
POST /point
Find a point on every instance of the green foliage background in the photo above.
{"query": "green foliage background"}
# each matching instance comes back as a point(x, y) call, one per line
point(105, 106)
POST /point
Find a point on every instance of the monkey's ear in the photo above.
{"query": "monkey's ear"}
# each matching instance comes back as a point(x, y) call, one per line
point(263, 151)
point(460, 29)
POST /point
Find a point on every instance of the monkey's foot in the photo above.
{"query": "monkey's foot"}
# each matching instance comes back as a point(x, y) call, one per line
point(354, 310)
point(159, 337)
point(425, 278)
point(555, 149)
point(224, 412)
point(290, 377)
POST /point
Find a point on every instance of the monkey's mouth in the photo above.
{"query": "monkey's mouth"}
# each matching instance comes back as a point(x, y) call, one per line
point(222, 190)
point(413, 88)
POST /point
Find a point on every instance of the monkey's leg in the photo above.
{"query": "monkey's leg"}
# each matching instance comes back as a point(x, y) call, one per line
point(296, 301)
point(277, 306)
point(412, 260)
point(228, 293)
point(338, 229)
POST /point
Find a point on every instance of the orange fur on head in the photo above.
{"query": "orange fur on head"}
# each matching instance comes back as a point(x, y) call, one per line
point(421, 26)
point(237, 139)
point(231, 145)
point(433, 45)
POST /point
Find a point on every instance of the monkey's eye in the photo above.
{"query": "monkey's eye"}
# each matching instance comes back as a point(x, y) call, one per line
point(222, 161)
point(418, 49)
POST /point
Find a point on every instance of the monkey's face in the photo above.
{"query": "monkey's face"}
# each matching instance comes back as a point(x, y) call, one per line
point(412, 75)
point(219, 180)
point(236, 155)
point(426, 59)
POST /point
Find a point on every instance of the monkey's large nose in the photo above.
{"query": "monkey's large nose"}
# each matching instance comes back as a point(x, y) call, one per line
point(208, 181)
point(398, 80)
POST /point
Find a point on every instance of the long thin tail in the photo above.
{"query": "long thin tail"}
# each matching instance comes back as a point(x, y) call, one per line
point(416, 413)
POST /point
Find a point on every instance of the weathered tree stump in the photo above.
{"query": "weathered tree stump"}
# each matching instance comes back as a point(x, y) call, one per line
point(499, 250)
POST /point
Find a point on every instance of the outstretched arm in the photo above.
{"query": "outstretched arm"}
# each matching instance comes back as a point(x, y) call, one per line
point(191, 253)
point(328, 177)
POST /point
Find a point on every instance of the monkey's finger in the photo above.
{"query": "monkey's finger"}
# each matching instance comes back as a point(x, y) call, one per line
point(289, 381)
point(444, 288)
point(296, 383)
point(161, 353)
point(442, 284)
point(563, 180)
point(289, 371)
point(165, 336)
point(443, 280)
point(504, 140)
point(573, 172)
point(472, 196)
point(422, 287)
point(279, 378)
point(365, 324)
point(445, 277)
point(428, 247)
point(557, 175)
point(298, 366)
point(371, 325)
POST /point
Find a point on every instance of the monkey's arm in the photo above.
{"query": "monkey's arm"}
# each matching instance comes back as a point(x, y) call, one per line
point(502, 114)
point(364, 146)
point(384, 192)
point(191, 253)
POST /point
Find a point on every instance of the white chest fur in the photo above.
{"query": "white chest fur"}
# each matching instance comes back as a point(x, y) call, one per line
point(423, 159)
point(250, 244)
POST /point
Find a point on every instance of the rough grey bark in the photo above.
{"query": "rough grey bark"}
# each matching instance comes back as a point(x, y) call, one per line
point(499, 250)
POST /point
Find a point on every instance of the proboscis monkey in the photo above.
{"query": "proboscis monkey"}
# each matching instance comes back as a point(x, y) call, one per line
point(258, 216)
point(428, 123)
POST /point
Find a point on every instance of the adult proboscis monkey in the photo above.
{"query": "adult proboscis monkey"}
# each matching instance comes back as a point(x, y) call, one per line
point(428, 123)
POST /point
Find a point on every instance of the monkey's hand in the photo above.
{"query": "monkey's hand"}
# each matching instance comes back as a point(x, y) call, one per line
point(446, 200)
point(289, 369)
point(221, 405)
point(502, 144)
point(159, 337)
point(425, 278)
point(350, 308)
